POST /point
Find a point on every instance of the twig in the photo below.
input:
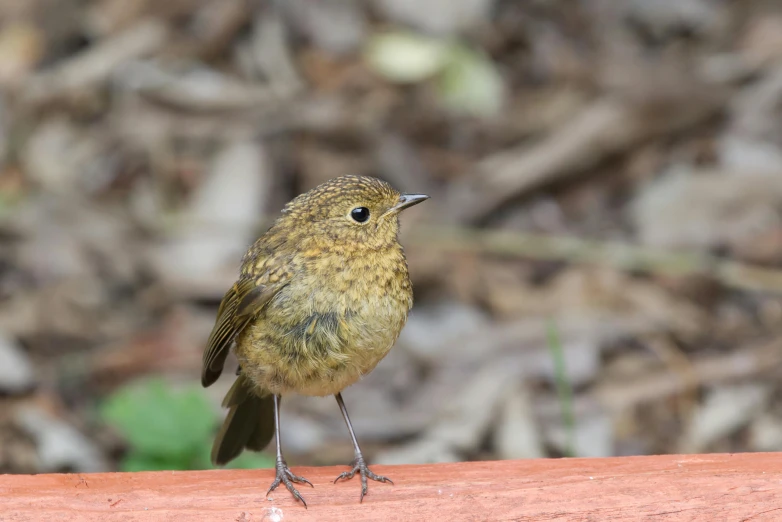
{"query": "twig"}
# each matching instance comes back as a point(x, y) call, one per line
point(97, 63)
point(744, 362)
point(603, 129)
point(624, 256)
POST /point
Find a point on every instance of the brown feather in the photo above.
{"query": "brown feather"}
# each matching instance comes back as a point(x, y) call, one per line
point(239, 306)
point(249, 423)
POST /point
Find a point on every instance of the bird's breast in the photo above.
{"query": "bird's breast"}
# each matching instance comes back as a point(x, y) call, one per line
point(327, 328)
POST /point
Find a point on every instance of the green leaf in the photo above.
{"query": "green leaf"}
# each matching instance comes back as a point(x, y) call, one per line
point(470, 83)
point(252, 460)
point(141, 462)
point(247, 460)
point(405, 57)
point(564, 388)
point(202, 458)
point(159, 422)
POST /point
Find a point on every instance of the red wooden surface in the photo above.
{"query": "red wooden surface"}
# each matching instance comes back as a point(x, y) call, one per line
point(680, 487)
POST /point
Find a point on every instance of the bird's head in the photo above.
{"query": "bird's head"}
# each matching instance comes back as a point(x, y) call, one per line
point(350, 211)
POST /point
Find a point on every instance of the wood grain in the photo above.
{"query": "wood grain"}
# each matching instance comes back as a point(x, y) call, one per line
point(679, 487)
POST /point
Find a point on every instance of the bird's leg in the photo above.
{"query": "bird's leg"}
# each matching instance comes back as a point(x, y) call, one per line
point(284, 473)
point(359, 464)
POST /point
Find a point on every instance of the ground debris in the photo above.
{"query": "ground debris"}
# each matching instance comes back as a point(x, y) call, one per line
point(599, 270)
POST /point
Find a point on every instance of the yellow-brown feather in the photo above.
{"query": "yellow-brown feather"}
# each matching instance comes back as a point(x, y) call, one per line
point(346, 291)
point(319, 343)
point(320, 300)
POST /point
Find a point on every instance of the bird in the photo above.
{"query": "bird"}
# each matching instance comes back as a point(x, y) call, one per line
point(319, 301)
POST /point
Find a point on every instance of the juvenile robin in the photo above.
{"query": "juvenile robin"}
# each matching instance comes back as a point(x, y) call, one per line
point(320, 299)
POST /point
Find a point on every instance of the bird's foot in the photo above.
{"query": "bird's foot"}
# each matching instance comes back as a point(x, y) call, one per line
point(286, 476)
point(360, 466)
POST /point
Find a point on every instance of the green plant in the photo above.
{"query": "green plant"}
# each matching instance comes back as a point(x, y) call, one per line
point(167, 428)
point(564, 388)
point(465, 79)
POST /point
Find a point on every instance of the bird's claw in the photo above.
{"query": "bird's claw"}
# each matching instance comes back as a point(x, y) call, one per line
point(360, 466)
point(286, 476)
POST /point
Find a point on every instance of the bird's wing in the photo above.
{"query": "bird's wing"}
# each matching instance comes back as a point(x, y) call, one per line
point(239, 306)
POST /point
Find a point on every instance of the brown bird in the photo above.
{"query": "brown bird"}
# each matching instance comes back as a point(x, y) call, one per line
point(320, 300)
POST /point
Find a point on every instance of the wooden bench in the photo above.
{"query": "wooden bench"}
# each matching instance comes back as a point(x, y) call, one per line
point(674, 487)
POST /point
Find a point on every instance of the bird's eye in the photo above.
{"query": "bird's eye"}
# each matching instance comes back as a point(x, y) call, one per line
point(360, 214)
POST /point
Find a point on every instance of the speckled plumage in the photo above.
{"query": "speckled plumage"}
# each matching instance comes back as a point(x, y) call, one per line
point(341, 291)
point(320, 300)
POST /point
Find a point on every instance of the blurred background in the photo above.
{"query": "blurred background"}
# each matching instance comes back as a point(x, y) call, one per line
point(599, 271)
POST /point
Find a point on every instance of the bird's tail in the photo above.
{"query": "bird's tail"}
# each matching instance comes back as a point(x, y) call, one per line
point(249, 424)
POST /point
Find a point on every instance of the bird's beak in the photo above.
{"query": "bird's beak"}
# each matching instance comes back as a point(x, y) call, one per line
point(406, 201)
